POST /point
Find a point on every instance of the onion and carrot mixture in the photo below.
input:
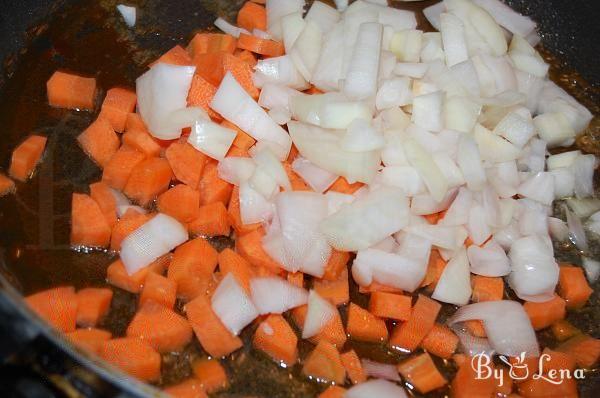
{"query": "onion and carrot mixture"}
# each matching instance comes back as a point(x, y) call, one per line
point(338, 146)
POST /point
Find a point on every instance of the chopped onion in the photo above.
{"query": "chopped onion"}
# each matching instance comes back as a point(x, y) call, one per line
point(494, 148)
point(583, 171)
point(532, 217)
point(328, 71)
point(460, 113)
point(454, 285)
point(376, 388)
point(341, 114)
point(554, 99)
point(453, 37)
point(380, 370)
point(390, 269)
point(433, 14)
point(276, 9)
point(430, 173)
point(254, 207)
point(393, 93)
point(306, 49)
point(272, 295)
point(469, 161)
point(229, 28)
point(427, 111)
point(231, 304)
point(361, 78)
point(266, 160)
point(341, 5)
point(576, 231)
point(426, 204)
point(276, 96)
point(291, 25)
point(278, 70)
point(317, 178)
point(361, 136)
point(584, 207)
point(236, 170)
point(508, 18)
point(592, 269)
point(336, 200)
point(558, 229)
point(211, 138)
point(404, 177)
point(472, 345)
point(539, 187)
point(128, 13)
point(488, 260)
point(515, 128)
point(323, 15)
point(506, 324)
point(153, 239)
point(554, 128)
point(439, 235)
point(562, 160)
point(161, 91)
point(319, 313)
point(406, 45)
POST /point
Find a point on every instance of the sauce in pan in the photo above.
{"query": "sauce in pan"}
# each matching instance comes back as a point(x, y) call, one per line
point(91, 39)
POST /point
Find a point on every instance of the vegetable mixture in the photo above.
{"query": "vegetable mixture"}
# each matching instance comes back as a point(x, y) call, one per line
point(338, 146)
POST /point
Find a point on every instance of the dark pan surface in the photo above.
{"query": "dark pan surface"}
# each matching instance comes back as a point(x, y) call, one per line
point(90, 38)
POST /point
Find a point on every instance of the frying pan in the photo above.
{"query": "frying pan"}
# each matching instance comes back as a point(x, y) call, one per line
point(88, 36)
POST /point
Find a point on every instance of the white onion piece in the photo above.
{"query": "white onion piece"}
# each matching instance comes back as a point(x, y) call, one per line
point(533, 156)
point(323, 15)
point(458, 212)
point(425, 204)
point(236, 170)
point(276, 96)
point(387, 62)
point(322, 149)
point(328, 70)
point(367, 220)
point(361, 136)
point(576, 231)
point(460, 113)
point(432, 49)
point(414, 246)
point(558, 229)
point(340, 115)
point(472, 345)
point(393, 151)
point(564, 182)
point(584, 207)
point(439, 235)
point(404, 177)
point(504, 178)
point(479, 230)
point(272, 295)
point(406, 45)
point(361, 78)
point(153, 239)
point(291, 27)
point(427, 111)
point(211, 138)
point(388, 245)
point(380, 370)
point(592, 269)
point(266, 160)
point(506, 324)
point(489, 260)
point(161, 91)
point(539, 187)
point(469, 161)
point(554, 99)
point(254, 207)
point(494, 148)
point(276, 9)
point(335, 201)
point(231, 304)
point(300, 214)
point(123, 203)
point(341, 5)
point(263, 183)
point(515, 128)
point(306, 49)
point(433, 14)
point(376, 388)
point(236, 105)
point(583, 170)
point(532, 217)
point(508, 18)
point(554, 128)
point(454, 286)
point(562, 160)
point(128, 13)
point(534, 270)
point(307, 108)
point(318, 314)
point(453, 37)
point(430, 173)
point(278, 70)
point(393, 93)
point(390, 269)
point(506, 236)
point(229, 28)
point(525, 57)
point(593, 226)
point(317, 178)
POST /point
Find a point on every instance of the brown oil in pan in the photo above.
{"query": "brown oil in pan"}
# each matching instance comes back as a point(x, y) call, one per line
point(90, 38)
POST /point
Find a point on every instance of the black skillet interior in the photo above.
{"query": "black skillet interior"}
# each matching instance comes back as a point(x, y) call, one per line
point(89, 37)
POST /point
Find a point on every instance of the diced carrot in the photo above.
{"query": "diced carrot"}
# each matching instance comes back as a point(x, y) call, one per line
point(175, 56)
point(421, 372)
point(159, 289)
point(504, 385)
point(141, 141)
point(160, 327)
point(242, 140)
point(242, 72)
point(459, 359)
point(148, 179)
point(378, 287)
point(563, 330)
point(353, 367)
point(435, 268)
point(333, 331)
point(466, 384)
point(296, 181)
point(475, 328)
point(440, 341)
point(294, 152)
point(252, 16)
point(324, 363)
point(117, 104)
point(573, 286)
point(66, 90)
point(235, 217)
point(541, 388)
point(337, 291)
point(432, 218)
point(92, 305)
point(209, 66)
point(90, 340)
point(203, 43)
point(247, 57)
point(409, 334)
point(583, 348)
point(250, 247)
point(117, 171)
point(130, 221)
point(201, 94)
point(234, 152)
point(214, 337)
point(342, 185)
point(192, 266)
point(133, 356)
point(26, 156)
point(296, 278)
point(232, 263)
point(99, 141)
point(212, 188)
point(180, 202)
point(187, 163)
point(101, 193)
point(333, 392)
point(364, 326)
point(336, 264)
point(313, 90)
point(266, 47)
point(134, 121)
point(190, 388)
point(391, 306)
point(275, 337)
point(6, 185)
point(57, 306)
point(88, 224)
point(545, 314)
point(556, 360)
point(117, 275)
point(212, 220)
point(211, 374)
point(486, 288)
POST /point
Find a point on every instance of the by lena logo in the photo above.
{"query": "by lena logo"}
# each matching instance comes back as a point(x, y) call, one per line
point(519, 369)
